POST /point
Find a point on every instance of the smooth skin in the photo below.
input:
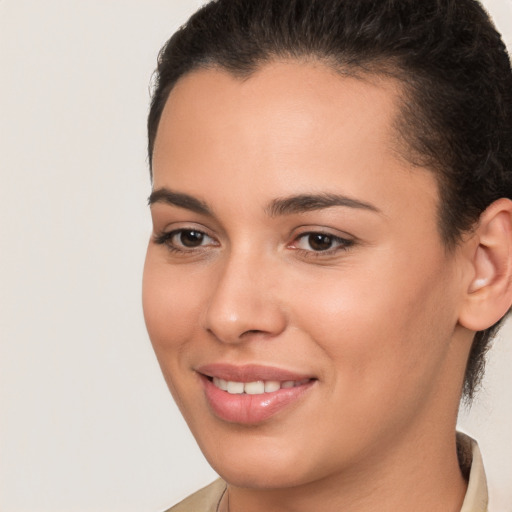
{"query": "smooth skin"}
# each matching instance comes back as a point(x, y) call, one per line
point(379, 312)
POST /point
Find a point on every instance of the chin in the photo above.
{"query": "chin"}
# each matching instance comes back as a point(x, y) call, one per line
point(260, 466)
point(261, 476)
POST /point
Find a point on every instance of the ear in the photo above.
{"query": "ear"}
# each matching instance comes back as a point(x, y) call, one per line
point(488, 293)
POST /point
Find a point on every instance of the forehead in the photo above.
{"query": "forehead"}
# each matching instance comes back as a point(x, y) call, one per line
point(280, 103)
point(288, 128)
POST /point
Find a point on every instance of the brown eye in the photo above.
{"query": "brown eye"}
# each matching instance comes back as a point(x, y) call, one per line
point(189, 238)
point(320, 241)
point(185, 240)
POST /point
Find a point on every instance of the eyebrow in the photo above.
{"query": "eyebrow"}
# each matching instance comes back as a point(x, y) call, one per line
point(300, 203)
point(166, 196)
point(303, 203)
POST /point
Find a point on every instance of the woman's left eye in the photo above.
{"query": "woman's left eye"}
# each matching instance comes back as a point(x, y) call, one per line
point(321, 242)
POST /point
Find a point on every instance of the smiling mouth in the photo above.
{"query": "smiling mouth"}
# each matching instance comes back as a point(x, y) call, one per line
point(258, 387)
point(252, 394)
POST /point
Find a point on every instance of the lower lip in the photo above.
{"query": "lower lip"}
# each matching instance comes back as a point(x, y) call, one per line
point(250, 409)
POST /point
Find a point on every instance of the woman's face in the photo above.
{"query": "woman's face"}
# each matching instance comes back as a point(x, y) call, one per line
point(296, 261)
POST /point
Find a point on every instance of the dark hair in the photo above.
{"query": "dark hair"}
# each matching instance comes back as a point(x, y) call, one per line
point(456, 106)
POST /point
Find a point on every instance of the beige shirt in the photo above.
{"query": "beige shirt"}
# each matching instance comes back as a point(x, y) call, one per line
point(208, 498)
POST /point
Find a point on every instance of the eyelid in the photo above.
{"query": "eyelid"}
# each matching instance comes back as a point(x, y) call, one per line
point(165, 236)
point(304, 230)
point(177, 232)
point(343, 242)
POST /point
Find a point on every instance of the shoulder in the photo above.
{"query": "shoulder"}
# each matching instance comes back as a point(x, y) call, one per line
point(204, 500)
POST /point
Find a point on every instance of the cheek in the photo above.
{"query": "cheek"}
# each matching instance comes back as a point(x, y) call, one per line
point(376, 325)
point(170, 312)
point(170, 306)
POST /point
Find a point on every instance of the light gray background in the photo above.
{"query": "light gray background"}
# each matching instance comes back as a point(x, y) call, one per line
point(86, 422)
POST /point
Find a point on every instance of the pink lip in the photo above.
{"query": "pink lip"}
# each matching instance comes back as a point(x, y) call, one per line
point(249, 372)
point(250, 409)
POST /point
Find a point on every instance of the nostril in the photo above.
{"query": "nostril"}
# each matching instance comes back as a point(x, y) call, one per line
point(233, 321)
point(252, 331)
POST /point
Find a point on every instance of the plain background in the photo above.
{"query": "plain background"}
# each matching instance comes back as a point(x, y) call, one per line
point(86, 422)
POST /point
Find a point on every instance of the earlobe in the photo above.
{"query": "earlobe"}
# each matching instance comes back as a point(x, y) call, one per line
point(489, 292)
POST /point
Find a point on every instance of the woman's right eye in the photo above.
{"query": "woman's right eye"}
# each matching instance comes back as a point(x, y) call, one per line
point(185, 239)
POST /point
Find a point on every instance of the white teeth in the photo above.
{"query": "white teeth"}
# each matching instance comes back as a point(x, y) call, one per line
point(235, 388)
point(272, 385)
point(220, 383)
point(257, 387)
point(254, 388)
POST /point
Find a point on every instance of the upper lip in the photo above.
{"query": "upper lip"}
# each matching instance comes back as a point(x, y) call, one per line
point(250, 372)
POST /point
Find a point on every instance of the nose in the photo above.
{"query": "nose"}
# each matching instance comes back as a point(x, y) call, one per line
point(243, 303)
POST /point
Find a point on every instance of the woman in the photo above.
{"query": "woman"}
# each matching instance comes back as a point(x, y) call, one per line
point(331, 247)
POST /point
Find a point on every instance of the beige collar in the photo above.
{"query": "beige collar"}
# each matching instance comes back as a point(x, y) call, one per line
point(476, 499)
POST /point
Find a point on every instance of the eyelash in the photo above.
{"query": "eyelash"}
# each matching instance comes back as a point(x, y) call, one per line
point(343, 244)
point(166, 239)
